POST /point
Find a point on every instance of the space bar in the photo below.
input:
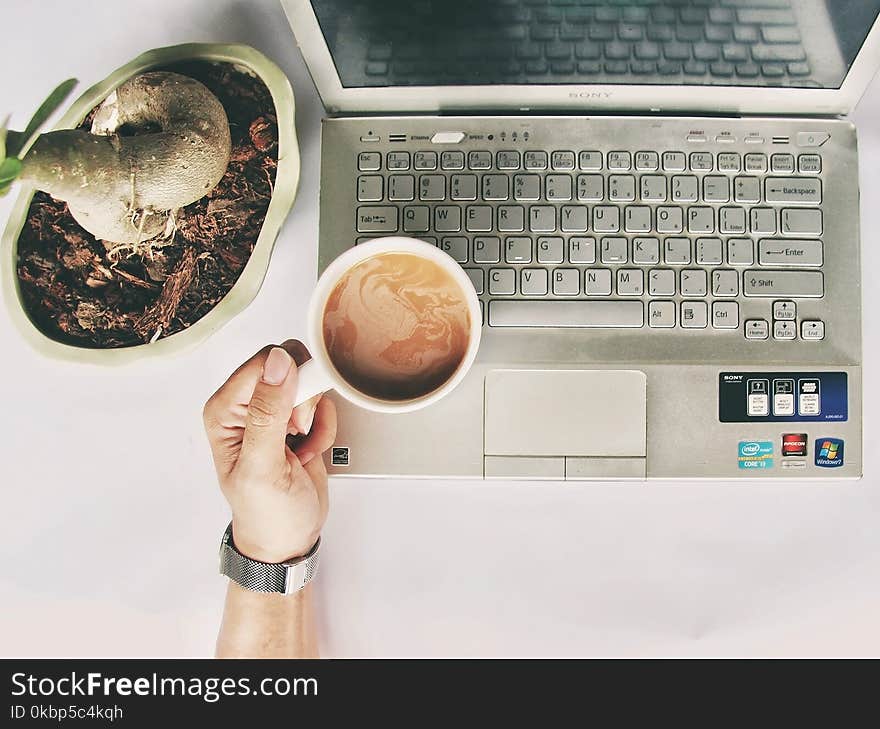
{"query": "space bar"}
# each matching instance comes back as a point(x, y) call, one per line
point(588, 314)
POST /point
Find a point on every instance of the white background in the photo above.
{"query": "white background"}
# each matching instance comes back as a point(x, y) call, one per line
point(111, 516)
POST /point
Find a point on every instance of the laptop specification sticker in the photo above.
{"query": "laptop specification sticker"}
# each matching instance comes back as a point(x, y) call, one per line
point(829, 452)
point(794, 444)
point(767, 397)
point(755, 454)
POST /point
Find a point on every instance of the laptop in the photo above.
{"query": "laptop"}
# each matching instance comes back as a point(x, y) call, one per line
point(657, 202)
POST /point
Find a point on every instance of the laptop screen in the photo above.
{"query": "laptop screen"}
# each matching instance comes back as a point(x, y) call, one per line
point(755, 43)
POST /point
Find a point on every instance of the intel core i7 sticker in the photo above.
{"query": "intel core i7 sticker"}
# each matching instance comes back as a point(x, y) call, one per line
point(755, 454)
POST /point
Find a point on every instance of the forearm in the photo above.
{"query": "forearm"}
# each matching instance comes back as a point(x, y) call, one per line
point(261, 625)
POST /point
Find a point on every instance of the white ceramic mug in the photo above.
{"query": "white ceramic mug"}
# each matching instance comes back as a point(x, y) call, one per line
point(319, 374)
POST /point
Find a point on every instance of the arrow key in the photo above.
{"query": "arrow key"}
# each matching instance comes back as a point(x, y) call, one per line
point(784, 311)
point(812, 331)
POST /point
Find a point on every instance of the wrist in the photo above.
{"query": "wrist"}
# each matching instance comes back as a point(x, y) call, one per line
point(272, 551)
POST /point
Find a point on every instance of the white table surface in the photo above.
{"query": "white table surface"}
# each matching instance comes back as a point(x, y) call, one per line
point(111, 516)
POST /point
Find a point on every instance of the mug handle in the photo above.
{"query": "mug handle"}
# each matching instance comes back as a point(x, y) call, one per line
point(313, 380)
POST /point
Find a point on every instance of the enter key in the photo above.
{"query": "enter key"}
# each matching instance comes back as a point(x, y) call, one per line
point(790, 252)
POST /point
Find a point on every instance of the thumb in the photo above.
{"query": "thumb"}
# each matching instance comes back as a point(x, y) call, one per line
point(268, 413)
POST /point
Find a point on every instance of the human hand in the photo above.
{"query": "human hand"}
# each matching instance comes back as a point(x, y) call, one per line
point(268, 454)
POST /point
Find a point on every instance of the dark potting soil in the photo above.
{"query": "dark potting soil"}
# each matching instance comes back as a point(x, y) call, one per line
point(77, 293)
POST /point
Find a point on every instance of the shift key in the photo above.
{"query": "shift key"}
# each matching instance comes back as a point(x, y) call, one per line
point(377, 219)
point(783, 284)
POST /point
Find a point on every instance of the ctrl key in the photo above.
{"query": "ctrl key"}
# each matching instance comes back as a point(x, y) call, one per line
point(757, 329)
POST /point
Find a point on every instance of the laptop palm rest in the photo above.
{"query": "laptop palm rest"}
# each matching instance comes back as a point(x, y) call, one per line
point(565, 424)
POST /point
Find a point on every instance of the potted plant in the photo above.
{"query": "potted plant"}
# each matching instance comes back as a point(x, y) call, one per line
point(149, 214)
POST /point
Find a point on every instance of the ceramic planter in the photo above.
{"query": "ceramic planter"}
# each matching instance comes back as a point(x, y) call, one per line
point(248, 284)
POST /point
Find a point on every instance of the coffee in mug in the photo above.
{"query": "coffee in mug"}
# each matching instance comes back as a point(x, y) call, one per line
point(396, 326)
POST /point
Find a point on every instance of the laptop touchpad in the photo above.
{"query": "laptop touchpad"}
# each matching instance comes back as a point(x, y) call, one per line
point(589, 413)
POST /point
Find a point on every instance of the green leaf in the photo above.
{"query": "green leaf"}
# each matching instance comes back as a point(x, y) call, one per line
point(3, 139)
point(19, 143)
point(10, 168)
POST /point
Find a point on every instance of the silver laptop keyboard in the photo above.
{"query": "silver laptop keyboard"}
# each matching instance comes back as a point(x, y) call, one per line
point(607, 238)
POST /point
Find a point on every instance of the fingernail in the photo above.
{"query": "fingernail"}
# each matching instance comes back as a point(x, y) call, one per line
point(276, 366)
point(307, 425)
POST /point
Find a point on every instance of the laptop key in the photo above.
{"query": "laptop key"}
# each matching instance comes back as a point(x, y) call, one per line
point(534, 160)
point(800, 221)
point(527, 187)
point(507, 160)
point(425, 161)
point(479, 218)
point(581, 250)
point(789, 252)
point(369, 161)
point(502, 281)
point(370, 188)
point(476, 276)
point(558, 187)
point(533, 282)
point(432, 187)
point(416, 218)
point(518, 249)
point(496, 187)
point(725, 315)
point(542, 218)
point(377, 219)
point(806, 190)
point(614, 250)
point(487, 249)
point(574, 218)
point(661, 314)
point(566, 282)
point(694, 314)
point(511, 219)
point(550, 249)
point(783, 284)
point(463, 187)
point(401, 188)
point(447, 219)
point(452, 160)
point(725, 282)
point(567, 314)
point(456, 247)
point(590, 187)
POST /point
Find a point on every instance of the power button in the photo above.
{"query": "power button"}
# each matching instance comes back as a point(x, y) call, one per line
point(812, 139)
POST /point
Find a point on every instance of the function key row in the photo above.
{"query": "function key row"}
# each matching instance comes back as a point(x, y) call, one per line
point(592, 160)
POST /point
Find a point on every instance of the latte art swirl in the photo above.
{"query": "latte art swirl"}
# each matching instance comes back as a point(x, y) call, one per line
point(396, 326)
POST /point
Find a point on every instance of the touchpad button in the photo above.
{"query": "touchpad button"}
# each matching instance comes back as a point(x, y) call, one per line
point(565, 413)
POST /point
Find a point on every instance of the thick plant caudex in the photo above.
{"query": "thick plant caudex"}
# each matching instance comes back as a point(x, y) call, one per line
point(158, 143)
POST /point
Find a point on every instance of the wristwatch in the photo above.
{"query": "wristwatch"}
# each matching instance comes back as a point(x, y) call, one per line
point(283, 578)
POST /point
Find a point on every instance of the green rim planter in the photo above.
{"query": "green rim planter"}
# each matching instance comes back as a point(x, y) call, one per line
point(248, 284)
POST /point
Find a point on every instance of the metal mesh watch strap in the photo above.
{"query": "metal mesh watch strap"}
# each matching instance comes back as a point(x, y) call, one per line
point(283, 578)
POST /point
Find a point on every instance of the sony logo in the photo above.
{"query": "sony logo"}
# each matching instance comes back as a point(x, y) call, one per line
point(589, 94)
